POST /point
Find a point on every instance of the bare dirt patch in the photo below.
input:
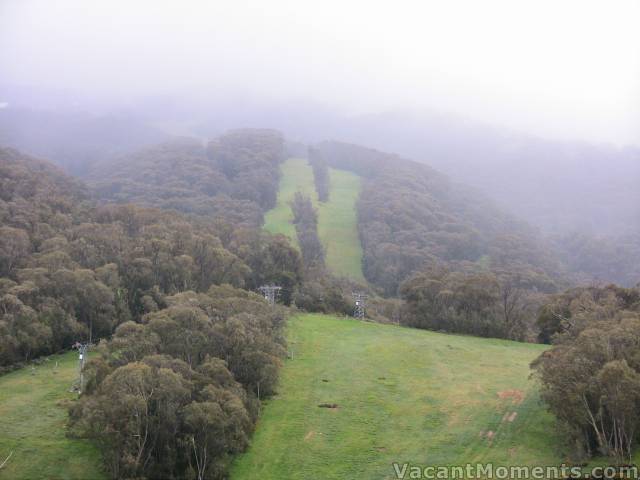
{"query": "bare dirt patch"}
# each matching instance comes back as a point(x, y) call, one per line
point(515, 395)
point(509, 417)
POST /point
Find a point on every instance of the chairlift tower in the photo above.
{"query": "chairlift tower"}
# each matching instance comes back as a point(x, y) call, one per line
point(360, 301)
point(82, 358)
point(270, 293)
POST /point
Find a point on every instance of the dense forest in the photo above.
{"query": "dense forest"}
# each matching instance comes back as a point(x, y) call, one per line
point(411, 216)
point(176, 395)
point(234, 177)
point(460, 263)
point(305, 220)
point(320, 173)
point(233, 180)
point(164, 287)
point(420, 232)
point(583, 195)
point(601, 258)
point(591, 377)
point(156, 259)
point(71, 269)
point(319, 240)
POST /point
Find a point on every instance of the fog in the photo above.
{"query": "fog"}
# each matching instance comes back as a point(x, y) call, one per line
point(536, 103)
point(566, 69)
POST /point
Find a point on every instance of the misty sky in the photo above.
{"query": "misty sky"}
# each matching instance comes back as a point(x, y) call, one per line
point(557, 68)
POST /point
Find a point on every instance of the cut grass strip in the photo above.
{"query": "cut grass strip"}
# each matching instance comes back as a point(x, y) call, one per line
point(402, 395)
point(33, 416)
point(337, 218)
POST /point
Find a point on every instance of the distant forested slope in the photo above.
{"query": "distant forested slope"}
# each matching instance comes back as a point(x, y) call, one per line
point(411, 216)
point(74, 140)
point(565, 188)
point(459, 262)
point(558, 186)
point(234, 177)
point(336, 215)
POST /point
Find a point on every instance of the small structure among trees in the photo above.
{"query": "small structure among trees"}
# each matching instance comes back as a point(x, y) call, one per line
point(270, 293)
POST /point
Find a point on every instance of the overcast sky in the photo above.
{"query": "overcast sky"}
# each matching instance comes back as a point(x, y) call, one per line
point(557, 68)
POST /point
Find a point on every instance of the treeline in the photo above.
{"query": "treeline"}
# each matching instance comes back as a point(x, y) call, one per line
point(70, 271)
point(570, 259)
point(209, 183)
point(460, 263)
point(319, 290)
point(601, 258)
point(305, 220)
point(320, 173)
point(175, 391)
point(73, 139)
point(591, 377)
point(234, 178)
point(411, 217)
point(177, 395)
point(475, 301)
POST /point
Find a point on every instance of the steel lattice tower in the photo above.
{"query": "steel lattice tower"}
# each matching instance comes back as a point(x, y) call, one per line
point(360, 299)
point(270, 292)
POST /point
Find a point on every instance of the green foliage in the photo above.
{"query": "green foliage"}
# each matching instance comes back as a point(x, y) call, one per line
point(234, 178)
point(612, 258)
point(323, 293)
point(564, 315)
point(591, 378)
point(337, 220)
point(176, 396)
point(305, 219)
point(410, 217)
point(75, 272)
point(475, 301)
point(296, 176)
point(320, 174)
point(402, 395)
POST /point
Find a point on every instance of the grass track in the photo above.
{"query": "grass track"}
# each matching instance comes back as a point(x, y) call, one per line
point(337, 220)
point(296, 176)
point(404, 395)
point(33, 415)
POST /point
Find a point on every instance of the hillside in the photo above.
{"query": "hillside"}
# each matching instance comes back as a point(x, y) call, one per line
point(73, 272)
point(234, 177)
point(337, 220)
point(33, 190)
point(549, 183)
point(402, 396)
point(386, 217)
point(74, 139)
point(33, 408)
point(411, 216)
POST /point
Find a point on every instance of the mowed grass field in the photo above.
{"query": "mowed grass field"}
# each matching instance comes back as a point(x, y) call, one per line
point(33, 415)
point(337, 220)
point(403, 395)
